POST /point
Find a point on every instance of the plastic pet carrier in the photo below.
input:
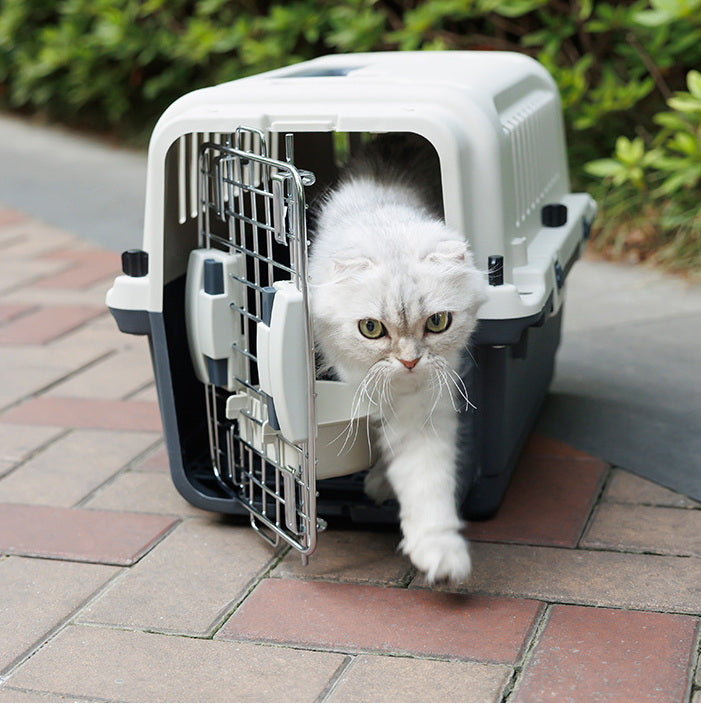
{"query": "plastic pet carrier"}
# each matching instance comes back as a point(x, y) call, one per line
point(220, 286)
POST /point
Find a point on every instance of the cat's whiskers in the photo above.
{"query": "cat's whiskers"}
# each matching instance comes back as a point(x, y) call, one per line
point(352, 427)
point(383, 382)
point(437, 383)
point(459, 386)
point(450, 376)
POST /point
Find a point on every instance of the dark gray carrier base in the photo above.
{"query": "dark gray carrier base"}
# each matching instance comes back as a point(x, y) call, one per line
point(507, 384)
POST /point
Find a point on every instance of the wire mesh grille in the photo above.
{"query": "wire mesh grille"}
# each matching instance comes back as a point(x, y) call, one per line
point(254, 205)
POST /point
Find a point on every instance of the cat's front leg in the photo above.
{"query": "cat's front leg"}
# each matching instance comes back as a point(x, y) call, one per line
point(422, 472)
point(376, 484)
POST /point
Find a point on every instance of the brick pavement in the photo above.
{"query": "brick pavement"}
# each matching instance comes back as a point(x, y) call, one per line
point(586, 584)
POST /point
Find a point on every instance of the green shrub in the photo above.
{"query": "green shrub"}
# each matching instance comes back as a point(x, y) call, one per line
point(115, 65)
point(650, 201)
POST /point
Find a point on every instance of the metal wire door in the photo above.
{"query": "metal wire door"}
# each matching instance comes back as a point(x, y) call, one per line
point(254, 205)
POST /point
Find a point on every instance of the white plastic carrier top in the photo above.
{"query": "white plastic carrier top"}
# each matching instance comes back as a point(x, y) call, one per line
point(494, 119)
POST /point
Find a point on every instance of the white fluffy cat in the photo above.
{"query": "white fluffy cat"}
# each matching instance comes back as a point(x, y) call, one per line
point(394, 298)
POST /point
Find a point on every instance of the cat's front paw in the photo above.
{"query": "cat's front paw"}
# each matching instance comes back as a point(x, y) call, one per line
point(376, 485)
point(441, 556)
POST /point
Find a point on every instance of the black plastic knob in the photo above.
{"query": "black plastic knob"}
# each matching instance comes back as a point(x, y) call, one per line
point(554, 215)
point(135, 262)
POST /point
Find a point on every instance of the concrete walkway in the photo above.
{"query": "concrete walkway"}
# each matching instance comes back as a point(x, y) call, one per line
point(585, 585)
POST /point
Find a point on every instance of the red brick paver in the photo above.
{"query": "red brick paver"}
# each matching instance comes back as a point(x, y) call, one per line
point(85, 268)
point(46, 324)
point(86, 413)
point(10, 217)
point(75, 534)
point(601, 655)
point(9, 311)
point(532, 514)
point(368, 618)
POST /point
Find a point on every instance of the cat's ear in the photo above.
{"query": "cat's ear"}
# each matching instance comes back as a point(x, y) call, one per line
point(351, 265)
point(451, 251)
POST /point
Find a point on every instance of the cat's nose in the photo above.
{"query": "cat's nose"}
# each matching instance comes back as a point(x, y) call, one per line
point(410, 363)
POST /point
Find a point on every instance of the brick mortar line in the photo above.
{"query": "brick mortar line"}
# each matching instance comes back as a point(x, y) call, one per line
point(351, 581)
point(11, 241)
point(156, 542)
point(79, 326)
point(138, 390)
point(34, 280)
point(695, 669)
point(216, 624)
point(650, 504)
point(338, 650)
point(124, 469)
point(68, 375)
point(527, 654)
point(33, 308)
point(55, 695)
point(640, 551)
point(52, 633)
point(603, 485)
point(335, 679)
point(235, 604)
point(37, 451)
point(585, 548)
point(569, 602)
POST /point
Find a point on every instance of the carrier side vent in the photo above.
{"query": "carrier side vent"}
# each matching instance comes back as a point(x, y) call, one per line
point(529, 125)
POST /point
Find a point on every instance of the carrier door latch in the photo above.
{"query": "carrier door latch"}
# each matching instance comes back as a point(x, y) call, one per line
point(282, 362)
point(213, 293)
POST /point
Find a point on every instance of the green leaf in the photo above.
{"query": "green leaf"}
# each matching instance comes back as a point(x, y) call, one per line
point(603, 168)
point(683, 103)
point(693, 81)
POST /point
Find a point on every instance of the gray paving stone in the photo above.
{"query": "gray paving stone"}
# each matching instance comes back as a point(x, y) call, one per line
point(37, 596)
point(73, 466)
point(187, 583)
point(128, 666)
point(116, 377)
point(655, 529)
point(150, 492)
point(28, 369)
point(350, 556)
point(14, 276)
point(590, 577)
point(17, 442)
point(148, 393)
point(372, 678)
point(627, 488)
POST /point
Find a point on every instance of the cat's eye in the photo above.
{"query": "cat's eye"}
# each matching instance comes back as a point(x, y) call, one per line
point(369, 327)
point(438, 322)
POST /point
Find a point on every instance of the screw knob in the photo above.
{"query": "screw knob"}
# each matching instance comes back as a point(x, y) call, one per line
point(554, 215)
point(135, 262)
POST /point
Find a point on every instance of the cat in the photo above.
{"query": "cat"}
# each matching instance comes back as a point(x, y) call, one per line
point(394, 298)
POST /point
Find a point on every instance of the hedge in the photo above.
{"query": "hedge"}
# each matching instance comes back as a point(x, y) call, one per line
point(114, 65)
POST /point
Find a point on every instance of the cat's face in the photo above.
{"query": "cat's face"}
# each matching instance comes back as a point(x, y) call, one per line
point(405, 319)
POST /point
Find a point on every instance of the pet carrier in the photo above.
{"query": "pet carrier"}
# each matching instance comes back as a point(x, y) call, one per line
point(220, 285)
